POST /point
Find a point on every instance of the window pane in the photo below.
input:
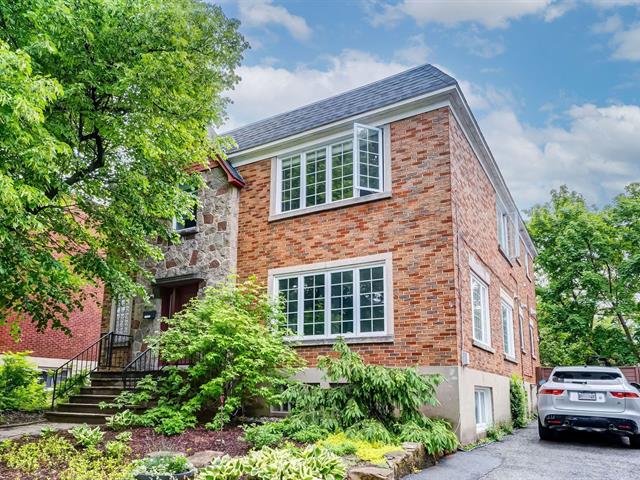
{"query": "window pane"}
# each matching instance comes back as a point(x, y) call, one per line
point(314, 298)
point(290, 183)
point(507, 329)
point(479, 305)
point(372, 301)
point(342, 170)
point(288, 289)
point(341, 302)
point(316, 177)
point(369, 161)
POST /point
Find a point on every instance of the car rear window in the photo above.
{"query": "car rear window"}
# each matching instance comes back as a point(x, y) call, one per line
point(584, 376)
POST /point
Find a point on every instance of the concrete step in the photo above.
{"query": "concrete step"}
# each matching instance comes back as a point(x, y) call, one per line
point(72, 417)
point(107, 374)
point(84, 408)
point(94, 399)
point(100, 390)
point(106, 382)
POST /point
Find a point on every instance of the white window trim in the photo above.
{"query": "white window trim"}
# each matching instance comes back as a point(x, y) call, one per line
point(356, 157)
point(521, 324)
point(506, 300)
point(275, 212)
point(479, 269)
point(384, 260)
point(532, 339)
point(488, 408)
point(486, 313)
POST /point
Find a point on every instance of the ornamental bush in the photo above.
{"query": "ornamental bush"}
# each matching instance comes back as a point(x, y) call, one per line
point(519, 408)
point(238, 355)
point(20, 386)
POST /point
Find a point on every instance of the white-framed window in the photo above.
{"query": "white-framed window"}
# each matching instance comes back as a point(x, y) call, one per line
point(521, 325)
point(484, 408)
point(506, 309)
point(480, 310)
point(343, 300)
point(532, 339)
point(345, 168)
point(508, 236)
point(526, 265)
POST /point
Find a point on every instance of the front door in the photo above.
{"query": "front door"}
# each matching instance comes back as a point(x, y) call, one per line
point(175, 298)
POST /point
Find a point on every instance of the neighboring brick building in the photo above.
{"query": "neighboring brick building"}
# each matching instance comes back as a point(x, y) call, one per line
point(378, 215)
point(52, 348)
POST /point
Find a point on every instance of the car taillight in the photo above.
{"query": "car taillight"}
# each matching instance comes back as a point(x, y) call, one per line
point(625, 395)
point(551, 391)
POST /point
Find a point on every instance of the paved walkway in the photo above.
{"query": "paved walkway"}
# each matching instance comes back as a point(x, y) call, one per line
point(34, 429)
point(523, 456)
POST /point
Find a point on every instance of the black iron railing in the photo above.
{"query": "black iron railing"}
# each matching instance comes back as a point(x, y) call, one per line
point(149, 362)
point(145, 363)
point(110, 351)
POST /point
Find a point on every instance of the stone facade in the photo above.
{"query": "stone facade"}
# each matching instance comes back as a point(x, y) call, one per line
point(207, 254)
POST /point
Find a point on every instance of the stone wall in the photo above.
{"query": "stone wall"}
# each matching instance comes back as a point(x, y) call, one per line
point(207, 253)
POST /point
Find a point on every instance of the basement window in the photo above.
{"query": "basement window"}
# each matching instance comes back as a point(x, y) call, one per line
point(483, 408)
point(346, 168)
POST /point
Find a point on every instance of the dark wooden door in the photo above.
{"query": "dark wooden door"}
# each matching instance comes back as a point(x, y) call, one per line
point(175, 298)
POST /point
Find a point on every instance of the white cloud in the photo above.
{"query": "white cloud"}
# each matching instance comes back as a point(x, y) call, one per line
point(479, 45)
point(490, 13)
point(415, 53)
point(627, 44)
point(609, 25)
point(259, 13)
point(266, 90)
point(597, 153)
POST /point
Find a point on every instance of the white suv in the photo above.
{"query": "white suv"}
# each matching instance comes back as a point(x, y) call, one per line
point(593, 399)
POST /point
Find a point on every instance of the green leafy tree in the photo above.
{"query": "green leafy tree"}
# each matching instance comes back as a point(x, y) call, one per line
point(237, 357)
point(589, 266)
point(104, 107)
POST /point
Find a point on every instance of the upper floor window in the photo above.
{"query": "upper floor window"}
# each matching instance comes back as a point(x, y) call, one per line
point(346, 168)
point(187, 222)
point(480, 311)
point(507, 328)
point(342, 301)
point(508, 236)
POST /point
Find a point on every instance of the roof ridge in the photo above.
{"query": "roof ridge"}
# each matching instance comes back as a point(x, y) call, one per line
point(439, 73)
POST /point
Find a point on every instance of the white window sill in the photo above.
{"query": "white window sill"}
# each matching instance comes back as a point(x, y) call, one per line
point(483, 346)
point(511, 359)
point(305, 342)
point(330, 206)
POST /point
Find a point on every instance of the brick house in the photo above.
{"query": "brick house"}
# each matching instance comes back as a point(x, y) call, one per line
point(378, 215)
point(53, 348)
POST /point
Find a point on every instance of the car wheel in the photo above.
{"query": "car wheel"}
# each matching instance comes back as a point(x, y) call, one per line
point(545, 433)
point(634, 441)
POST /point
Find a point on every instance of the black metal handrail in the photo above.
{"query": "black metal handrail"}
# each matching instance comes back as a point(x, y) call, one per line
point(149, 362)
point(109, 351)
point(145, 363)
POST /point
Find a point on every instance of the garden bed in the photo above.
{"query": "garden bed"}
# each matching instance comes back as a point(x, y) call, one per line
point(11, 418)
point(143, 442)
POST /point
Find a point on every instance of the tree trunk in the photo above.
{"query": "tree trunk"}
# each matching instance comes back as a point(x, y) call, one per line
point(627, 332)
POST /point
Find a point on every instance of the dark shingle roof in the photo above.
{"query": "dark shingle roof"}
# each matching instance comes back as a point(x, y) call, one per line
point(402, 86)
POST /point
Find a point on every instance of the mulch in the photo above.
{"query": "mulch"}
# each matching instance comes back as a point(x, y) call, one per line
point(11, 418)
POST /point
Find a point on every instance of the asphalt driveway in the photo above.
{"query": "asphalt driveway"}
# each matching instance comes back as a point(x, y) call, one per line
point(523, 456)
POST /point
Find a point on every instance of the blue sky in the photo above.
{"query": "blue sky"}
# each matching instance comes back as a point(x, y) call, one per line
point(555, 84)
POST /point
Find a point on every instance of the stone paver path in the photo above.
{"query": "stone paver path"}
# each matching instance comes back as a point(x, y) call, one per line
point(34, 429)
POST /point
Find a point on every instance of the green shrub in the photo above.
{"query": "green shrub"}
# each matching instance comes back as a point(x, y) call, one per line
point(312, 463)
point(86, 436)
point(309, 434)
point(370, 431)
point(116, 449)
point(435, 434)
point(162, 465)
point(265, 435)
point(495, 433)
point(122, 420)
point(20, 386)
point(54, 452)
point(364, 450)
point(519, 402)
point(506, 428)
point(238, 357)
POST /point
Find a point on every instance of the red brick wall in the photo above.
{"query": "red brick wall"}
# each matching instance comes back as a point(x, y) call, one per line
point(84, 325)
point(415, 225)
point(474, 206)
